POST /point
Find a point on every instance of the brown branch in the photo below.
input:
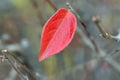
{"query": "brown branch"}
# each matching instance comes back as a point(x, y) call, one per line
point(102, 54)
point(51, 4)
point(93, 62)
point(5, 52)
point(18, 66)
point(38, 12)
point(114, 52)
point(84, 26)
point(103, 33)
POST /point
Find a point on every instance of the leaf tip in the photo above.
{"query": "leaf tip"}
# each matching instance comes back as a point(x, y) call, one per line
point(40, 59)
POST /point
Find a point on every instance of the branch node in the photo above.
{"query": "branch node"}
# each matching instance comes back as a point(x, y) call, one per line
point(104, 34)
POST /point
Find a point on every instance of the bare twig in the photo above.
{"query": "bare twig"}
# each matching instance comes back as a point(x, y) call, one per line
point(84, 26)
point(102, 54)
point(77, 15)
point(5, 52)
point(38, 12)
point(51, 4)
point(18, 66)
point(103, 33)
point(114, 52)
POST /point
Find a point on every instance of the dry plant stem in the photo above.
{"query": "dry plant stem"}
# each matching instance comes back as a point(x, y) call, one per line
point(93, 61)
point(84, 25)
point(95, 48)
point(103, 33)
point(102, 54)
point(114, 52)
point(5, 52)
point(18, 65)
point(24, 66)
point(36, 7)
point(78, 17)
point(51, 4)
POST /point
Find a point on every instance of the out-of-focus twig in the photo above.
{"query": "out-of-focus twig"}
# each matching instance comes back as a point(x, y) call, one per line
point(102, 54)
point(78, 17)
point(36, 7)
point(114, 52)
point(103, 33)
point(93, 62)
point(51, 4)
point(18, 66)
point(5, 52)
point(90, 38)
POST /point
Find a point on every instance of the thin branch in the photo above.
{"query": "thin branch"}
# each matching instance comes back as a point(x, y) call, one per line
point(18, 66)
point(51, 4)
point(109, 60)
point(114, 52)
point(78, 17)
point(38, 12)
point(84, 26)
point(73, 69)
point(5, 52)
point(103, 33)
point(102, 54)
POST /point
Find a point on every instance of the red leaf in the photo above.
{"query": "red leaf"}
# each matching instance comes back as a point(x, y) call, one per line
point(57, 33)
